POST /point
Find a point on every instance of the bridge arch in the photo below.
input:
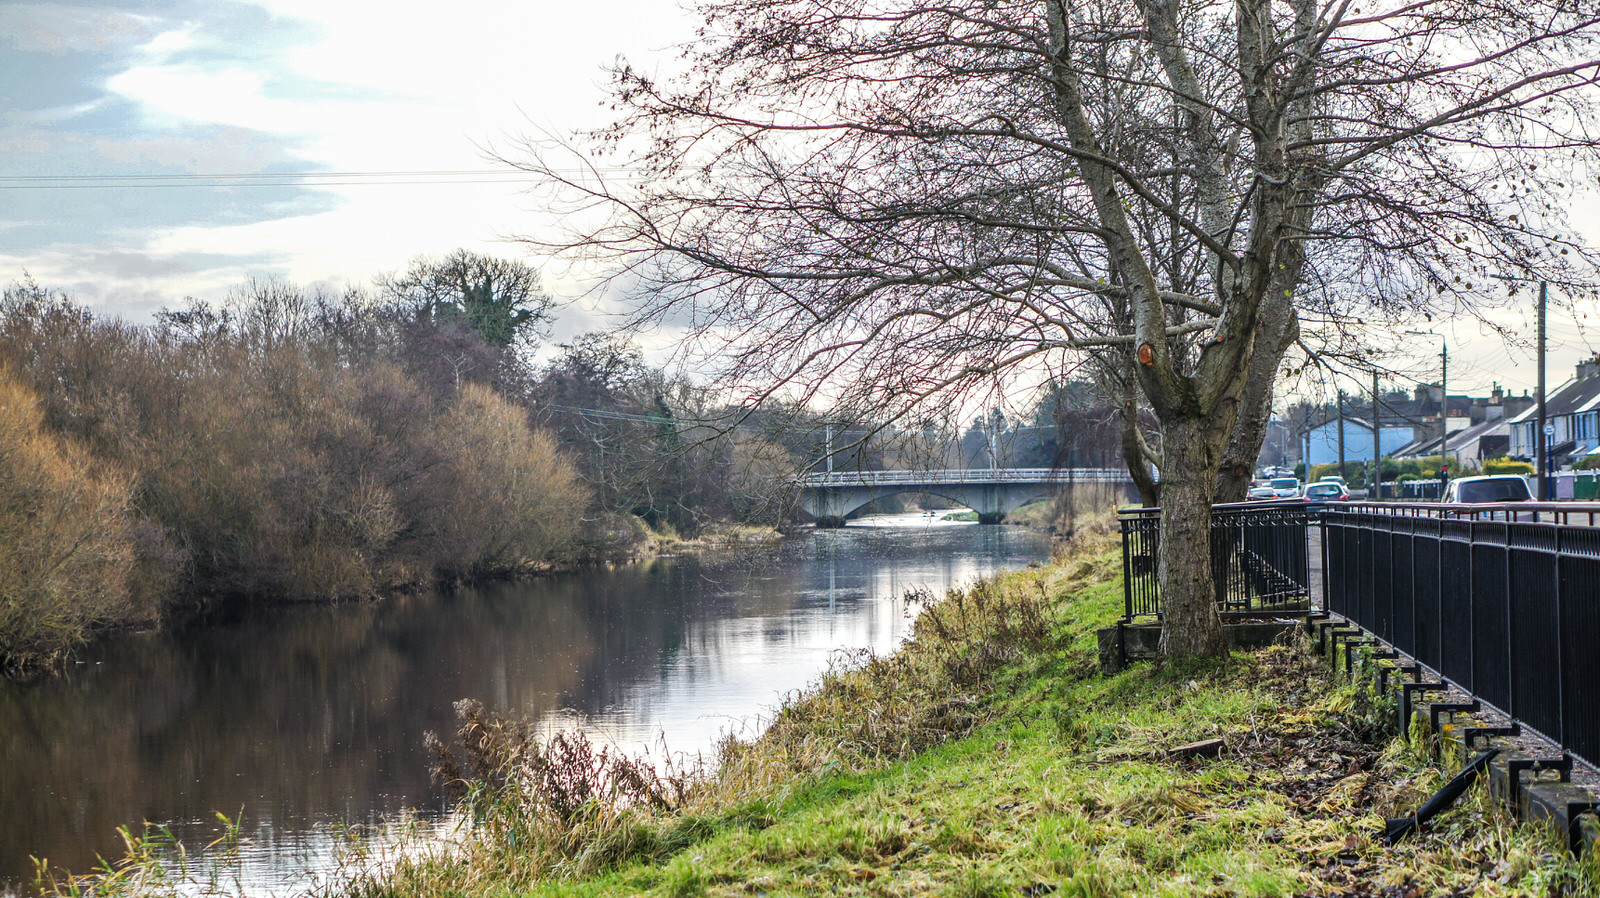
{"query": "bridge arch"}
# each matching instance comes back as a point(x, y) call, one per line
point(993, 494)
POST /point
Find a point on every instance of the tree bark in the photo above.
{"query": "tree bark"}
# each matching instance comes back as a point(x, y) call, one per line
point(1255, 407)
point(1133, 454)
point(1189, 451)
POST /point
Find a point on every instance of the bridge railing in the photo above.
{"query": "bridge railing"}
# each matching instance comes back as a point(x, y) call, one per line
point(1259, 559)
point(974, 475)
point(1503, 601)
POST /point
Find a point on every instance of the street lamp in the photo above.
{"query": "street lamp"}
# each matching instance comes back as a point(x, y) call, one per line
point(1444, 402)
point(1540, 437)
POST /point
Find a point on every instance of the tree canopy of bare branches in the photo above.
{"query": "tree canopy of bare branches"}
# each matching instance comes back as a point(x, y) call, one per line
point(888, 202)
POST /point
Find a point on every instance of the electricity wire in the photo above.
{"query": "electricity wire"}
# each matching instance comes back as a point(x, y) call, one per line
point(284, 179)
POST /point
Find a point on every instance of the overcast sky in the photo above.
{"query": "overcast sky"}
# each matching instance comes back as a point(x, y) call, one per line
point(135, 88)
point(96, 89)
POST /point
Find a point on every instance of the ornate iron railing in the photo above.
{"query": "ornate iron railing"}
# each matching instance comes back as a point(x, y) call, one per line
point(1259, 559)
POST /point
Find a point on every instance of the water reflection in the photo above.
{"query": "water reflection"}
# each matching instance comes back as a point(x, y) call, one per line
point(303, 718)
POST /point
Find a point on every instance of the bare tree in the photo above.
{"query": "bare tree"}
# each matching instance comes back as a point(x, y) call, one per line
point(892, 202)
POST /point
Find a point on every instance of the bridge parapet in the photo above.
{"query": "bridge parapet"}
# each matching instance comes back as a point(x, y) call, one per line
point(992, 492)
point(914, 478)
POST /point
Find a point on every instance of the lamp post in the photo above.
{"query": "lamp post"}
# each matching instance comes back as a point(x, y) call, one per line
point(1540, 439)
point(1444, 403)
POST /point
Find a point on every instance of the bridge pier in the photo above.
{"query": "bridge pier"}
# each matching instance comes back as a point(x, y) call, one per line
point(829, 522)
point(996, 517)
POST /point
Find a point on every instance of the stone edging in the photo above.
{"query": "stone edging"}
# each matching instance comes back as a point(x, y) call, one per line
point(1531, 775)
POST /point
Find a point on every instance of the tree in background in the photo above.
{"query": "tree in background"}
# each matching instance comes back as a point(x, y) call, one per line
point(501, 302)
point(644, 442)
point(278, 448)
point(894, 204)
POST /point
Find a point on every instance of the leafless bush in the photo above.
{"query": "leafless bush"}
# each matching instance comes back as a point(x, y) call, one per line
point(66, 537)
point(281, 448)
point(553, 800)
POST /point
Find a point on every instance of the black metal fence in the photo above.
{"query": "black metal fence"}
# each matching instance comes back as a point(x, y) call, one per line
point(1259, 560)
point(1502, 601)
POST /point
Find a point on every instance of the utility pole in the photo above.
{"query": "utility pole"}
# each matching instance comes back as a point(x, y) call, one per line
point(1373, 485)
point(1341, 434)
point(1540, 438)
point(1444, 408)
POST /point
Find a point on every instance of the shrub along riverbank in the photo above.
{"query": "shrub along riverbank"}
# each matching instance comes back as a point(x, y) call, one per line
point(990, 757)
point(291, 446)
point(259, 458)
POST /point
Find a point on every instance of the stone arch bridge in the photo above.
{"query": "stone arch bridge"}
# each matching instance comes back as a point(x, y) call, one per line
point(992, 493)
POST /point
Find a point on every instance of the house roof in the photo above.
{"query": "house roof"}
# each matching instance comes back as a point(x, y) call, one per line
point(1463, 438)
point(1456, 440)
point(1569, 398)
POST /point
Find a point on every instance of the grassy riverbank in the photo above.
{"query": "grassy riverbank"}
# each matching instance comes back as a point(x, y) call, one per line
point(990, 757)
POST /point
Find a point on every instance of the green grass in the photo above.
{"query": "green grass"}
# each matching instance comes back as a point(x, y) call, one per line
point(990, 757)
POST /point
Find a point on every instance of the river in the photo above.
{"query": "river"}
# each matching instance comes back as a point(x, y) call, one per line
point(298, 721)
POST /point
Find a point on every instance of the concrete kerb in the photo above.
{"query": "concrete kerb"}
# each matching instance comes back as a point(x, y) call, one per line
point(1126, 643)
point(1530, 777)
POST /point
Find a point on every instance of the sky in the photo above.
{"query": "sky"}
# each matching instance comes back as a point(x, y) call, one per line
point(127, 102)
point(108, 93)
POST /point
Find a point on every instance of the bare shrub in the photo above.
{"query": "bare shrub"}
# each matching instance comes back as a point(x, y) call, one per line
point(280, 448)
point(66, 537)
point(557, 802)
point(517, 499)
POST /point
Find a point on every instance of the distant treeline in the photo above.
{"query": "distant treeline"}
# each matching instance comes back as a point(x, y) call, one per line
point(292, 446)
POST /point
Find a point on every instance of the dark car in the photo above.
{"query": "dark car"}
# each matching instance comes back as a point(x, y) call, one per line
point(1493, 488)
point(1327, 491)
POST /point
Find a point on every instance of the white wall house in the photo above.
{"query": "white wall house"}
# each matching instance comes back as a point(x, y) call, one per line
point(1324, 440)
point(1572, 411)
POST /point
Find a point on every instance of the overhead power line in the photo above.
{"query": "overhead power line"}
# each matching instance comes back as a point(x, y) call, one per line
point(282, 179)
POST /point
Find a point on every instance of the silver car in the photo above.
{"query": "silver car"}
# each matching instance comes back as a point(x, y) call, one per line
point(1285, 487)
point(1490, 488)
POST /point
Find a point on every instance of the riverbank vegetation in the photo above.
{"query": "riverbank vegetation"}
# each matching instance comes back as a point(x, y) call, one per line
point(991, 757)
point(297, 446)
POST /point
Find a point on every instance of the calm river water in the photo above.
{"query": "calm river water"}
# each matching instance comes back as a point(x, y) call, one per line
point(299, 720)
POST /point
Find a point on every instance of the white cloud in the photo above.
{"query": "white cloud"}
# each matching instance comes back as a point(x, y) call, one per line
point(416, 88)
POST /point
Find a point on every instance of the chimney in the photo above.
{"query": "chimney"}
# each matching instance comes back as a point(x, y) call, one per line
point(1590, 368)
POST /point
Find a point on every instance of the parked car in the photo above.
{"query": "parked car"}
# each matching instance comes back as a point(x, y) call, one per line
point(1490, 488)
point(1262, 492)
point(1327, 491)
point(1285, 487)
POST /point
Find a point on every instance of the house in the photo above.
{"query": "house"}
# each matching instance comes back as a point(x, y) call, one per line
point(1572, 412)
point(1324, 439)
point(1478, 428)
point(1468, 447)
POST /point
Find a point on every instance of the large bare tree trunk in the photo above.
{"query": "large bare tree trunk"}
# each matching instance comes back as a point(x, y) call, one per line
point(1255, 407)
point(1189, 453)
